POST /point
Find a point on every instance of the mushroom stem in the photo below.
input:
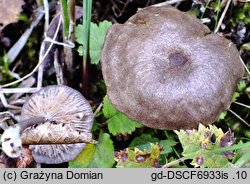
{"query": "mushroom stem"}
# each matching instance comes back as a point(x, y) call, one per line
point(30, 122)
point(27, 139)
point(84, 137)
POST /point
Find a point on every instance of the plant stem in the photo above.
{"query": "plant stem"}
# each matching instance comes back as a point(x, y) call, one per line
point(240, 118)
point(216, 21)
point(177, 154)
point(65, 12)
point(242, 160)
point(205, 8)
point(217, 25)
point(241, 104)
point(87, 8)
point(174, 162)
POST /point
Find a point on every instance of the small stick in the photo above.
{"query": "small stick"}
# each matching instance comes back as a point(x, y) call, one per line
point(46, 9)
point(222, 16)
point(174, 162)
point(98, 109)
point(244, 65)
point(167, 3)
point(40, 62)
point(244, 105)
point(240, 118)
point(17, 90)
point(58, 68)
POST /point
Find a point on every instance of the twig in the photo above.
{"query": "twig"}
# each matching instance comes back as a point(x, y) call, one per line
point(28, 83)
point(46, 9)
point(169, 2)
point(58, 69)
point(240, 118)
point(98, 109)
point(222, 16)
point(46, 27)
point(174, 162)
point(40, 69)
point(40, 62)
point(244, 105)
point(17, 90)
point(244, 66)
point(68, 12)
point(69, 44)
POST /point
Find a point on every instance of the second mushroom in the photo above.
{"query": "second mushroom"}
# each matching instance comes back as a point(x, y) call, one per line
point(165, 69)
point(52, 115)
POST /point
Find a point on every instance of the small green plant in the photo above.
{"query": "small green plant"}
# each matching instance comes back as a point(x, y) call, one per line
point(241, 14)
point(96, 39)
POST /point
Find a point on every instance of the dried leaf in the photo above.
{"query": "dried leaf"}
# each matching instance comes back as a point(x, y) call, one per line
point(136, 158)
point(25, 159)
point(201, 144)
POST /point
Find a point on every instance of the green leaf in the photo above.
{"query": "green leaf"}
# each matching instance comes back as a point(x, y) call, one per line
point(84, 158)
point(235, 96)
point(167, 146)
point(242, 157)
point(96, 156)
point(246, 47)
point(79, 33)
point(143, 139)
point(217, 6)
point(241, 13)
point(121, 124)
point(96, 39)
point(104, 153)
point(201, 143)
point(136, 158)
point(108, 110)
point(222, 115)
point(97, 36)
point(118, 123)
point(242, 85)
point(80, 50)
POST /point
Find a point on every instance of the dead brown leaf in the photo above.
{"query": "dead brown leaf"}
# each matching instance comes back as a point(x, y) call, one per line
point(25, 159)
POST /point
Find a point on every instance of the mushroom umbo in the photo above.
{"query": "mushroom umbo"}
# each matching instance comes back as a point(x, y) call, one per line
point(56, 107)
point(166, 70)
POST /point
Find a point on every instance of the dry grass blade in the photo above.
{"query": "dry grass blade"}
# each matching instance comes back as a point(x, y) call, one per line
point(222, 16)
point(40, 62)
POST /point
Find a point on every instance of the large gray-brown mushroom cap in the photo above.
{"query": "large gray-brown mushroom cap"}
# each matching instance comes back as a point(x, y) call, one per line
point(59, 105)
point(166, 70)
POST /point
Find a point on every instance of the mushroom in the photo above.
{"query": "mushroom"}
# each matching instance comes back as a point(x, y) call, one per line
point(166, 70)
point(60, 108)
